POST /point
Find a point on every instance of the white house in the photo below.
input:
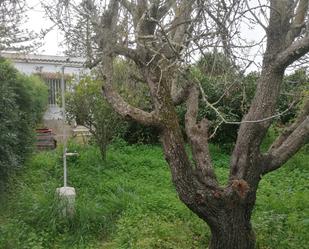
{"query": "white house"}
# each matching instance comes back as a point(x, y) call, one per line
point(30, 63)
point(49, 67)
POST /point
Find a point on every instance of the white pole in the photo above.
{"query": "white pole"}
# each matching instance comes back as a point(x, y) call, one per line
point(64, 131)
point(66, 194)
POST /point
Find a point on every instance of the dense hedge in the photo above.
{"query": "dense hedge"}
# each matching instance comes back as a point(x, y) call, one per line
point(22, 102)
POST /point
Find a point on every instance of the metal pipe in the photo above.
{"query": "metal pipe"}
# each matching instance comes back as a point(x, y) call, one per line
point(64, 131)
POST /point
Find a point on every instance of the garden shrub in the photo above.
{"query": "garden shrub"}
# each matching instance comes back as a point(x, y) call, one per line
point(231, 92)
point(22, 102)
point(130, 84)
point(86, 105)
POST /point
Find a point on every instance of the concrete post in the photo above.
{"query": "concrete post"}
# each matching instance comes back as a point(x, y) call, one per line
point(66, 201)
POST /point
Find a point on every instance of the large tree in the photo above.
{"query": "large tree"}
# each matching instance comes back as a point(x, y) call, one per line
point(162, 38)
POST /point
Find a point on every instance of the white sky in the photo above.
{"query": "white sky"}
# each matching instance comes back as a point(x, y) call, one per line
point(36, 22)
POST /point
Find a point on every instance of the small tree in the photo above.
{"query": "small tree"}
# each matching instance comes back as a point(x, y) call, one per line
point(86, 106)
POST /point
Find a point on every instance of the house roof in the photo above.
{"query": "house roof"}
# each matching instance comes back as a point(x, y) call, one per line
point(54, 59)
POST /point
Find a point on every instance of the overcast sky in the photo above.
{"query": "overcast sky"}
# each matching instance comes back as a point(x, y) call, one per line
point(36, 22)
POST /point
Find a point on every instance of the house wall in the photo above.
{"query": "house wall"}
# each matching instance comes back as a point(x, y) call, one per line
point(31, 67)
point(49, 65)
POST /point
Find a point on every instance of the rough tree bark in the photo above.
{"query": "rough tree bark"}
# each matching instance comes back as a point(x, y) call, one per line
point(157, 53)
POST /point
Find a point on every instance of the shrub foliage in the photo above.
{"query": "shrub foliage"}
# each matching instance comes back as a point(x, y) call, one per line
point(85, 105)
point(22, 102)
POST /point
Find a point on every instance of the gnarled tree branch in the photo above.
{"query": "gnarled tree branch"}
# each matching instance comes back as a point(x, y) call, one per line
point(299, 137)
point(295, 51)
point(128, 111)
point(197, 133)
point(298, 22)
point(288, 143)
point(109, 50)
point(128, 53)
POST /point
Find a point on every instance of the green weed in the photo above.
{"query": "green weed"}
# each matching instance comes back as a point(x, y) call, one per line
point(130, 202)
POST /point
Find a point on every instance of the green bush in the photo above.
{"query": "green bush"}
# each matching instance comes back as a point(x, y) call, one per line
point(295, 88)
point(22, 102)
point(86, 105)
point(231, 93)
point(228, 91)
point(130, 85)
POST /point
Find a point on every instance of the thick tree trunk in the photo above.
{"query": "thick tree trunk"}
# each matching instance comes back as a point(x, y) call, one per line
point(233, 234)
point(228, 238)
point(227, 212)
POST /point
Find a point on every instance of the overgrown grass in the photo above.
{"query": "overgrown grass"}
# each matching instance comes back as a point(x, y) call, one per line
point(130, 202)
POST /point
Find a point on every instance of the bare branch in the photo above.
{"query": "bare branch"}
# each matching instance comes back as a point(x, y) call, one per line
point(299, 137)
point(165, 8)
point(112, 96)
point(300, 14)
point(295, 51)
point(128, 111)
point(197, 133)
point(183, 15)
point(128, 53)
point(255, 17)
point(130, 6)
point(224, 120)
point(299, 21)
point(215, 130)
